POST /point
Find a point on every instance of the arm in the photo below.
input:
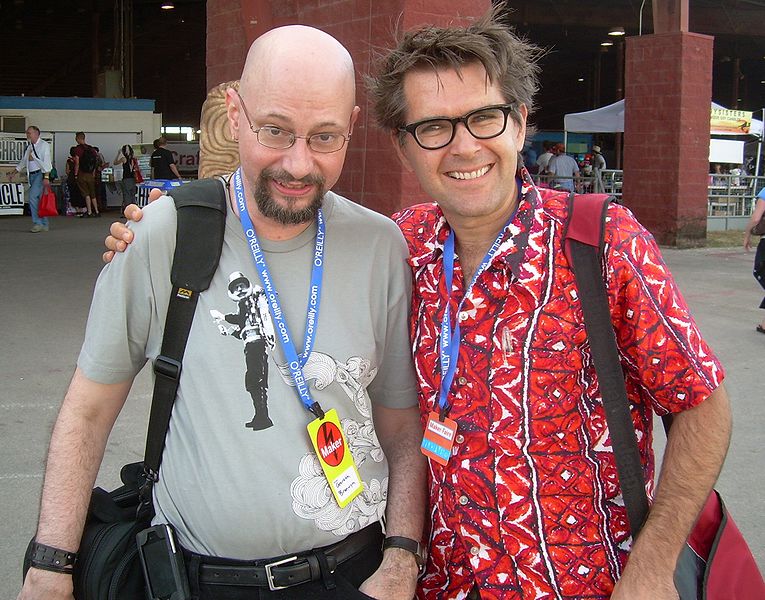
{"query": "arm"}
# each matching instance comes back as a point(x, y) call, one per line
point(696, 448)
point(400, 433)
point(119, 235)
point(759, 210)
point(174, 169)
point(76, 450)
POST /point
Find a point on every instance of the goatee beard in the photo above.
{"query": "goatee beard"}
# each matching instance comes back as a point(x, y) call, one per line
point(287, 215)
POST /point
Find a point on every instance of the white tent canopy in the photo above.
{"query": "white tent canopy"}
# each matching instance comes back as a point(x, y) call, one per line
point(610, 119)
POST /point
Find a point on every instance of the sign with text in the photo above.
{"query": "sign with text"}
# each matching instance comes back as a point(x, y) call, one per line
point(186, 157)
point(730, 122)
point(11, 199)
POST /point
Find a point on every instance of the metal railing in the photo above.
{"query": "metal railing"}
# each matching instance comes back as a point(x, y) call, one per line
point(732, 195)
point(609, 182)
point(727, 195)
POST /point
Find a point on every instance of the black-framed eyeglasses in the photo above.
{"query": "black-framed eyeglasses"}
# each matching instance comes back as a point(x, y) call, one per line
point(277, 138)
point(482, 123)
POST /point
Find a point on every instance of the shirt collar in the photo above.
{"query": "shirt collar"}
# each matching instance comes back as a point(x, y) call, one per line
point(512, 249)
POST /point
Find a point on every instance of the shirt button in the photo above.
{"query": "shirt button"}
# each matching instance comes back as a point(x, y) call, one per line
point(463, 316)
point(459, 439)
point(462, 381)
point(463, 500)
point(474, 551)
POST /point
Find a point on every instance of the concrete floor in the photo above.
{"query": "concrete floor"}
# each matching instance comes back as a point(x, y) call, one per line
point(46, 285)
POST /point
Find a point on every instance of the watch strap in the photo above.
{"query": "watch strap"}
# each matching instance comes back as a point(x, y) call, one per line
point(408, 544)
point(53, 559)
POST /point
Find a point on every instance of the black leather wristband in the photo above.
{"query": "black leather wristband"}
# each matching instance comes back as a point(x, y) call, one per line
point(410, 545)
point(53, 559)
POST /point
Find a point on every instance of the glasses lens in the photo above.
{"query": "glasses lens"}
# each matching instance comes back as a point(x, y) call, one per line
point(434, 133)
point(275, 137)
point(326, 142)
point(487, 123)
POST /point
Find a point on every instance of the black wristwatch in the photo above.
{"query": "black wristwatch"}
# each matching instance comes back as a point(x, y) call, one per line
point(410, 545)
point(53, 559)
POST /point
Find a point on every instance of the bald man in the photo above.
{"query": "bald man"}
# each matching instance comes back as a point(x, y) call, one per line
point(240, 484)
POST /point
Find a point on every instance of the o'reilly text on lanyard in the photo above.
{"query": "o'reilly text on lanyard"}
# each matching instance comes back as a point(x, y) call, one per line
point(294, 362)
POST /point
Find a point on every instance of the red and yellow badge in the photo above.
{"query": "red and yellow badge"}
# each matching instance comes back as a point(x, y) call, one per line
point(335, 458)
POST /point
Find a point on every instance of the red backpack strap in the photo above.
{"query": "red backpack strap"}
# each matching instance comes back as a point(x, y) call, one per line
point(586, 220)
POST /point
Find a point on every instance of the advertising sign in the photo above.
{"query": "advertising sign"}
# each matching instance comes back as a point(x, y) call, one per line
point(11, 199)
point(730, 122)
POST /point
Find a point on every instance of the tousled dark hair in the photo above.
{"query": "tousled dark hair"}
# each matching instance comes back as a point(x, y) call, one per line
point(509, 61)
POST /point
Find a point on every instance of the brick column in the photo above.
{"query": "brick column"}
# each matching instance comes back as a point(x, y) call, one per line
point(372, 175)
point(666, 134)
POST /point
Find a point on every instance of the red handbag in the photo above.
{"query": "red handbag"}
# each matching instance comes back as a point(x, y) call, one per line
point(47, 205)
point(137, 172)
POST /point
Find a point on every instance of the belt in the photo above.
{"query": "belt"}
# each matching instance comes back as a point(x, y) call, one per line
point(289, 570)
point(33, 172)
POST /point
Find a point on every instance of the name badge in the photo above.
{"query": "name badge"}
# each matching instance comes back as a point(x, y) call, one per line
point(439, 438)
point(335, 457)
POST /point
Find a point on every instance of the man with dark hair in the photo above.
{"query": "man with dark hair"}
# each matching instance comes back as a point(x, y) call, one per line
point(526, 504)
point(36, 161)
point(162, 161)
point(85, 165)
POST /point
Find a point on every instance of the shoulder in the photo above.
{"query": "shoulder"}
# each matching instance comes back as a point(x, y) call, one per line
point(420, 225)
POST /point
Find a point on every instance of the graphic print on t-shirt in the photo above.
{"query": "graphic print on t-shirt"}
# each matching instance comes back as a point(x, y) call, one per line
point(251, 323)
point(311, 496)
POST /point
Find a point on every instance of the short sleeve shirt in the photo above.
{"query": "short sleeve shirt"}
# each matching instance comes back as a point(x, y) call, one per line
point(529, 504)
point(161, 159)
point(229, 489)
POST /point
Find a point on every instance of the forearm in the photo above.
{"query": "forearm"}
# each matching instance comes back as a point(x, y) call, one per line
point(175, 171)
point(696, 448)
point(76, 450)
point(400, 434)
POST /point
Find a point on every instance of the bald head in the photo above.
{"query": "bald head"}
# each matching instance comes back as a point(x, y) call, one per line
point(302, 55)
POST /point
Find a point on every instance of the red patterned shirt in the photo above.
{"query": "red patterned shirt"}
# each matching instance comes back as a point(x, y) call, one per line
point(529, 505)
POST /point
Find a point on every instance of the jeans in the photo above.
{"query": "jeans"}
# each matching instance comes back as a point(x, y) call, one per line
point(35, 192)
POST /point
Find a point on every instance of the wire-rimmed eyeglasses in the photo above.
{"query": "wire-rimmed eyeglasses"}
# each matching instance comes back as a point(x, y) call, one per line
point(482, 123)
point(277, 138)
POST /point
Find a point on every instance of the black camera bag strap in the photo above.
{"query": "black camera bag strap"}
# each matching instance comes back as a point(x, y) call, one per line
point(201, 207)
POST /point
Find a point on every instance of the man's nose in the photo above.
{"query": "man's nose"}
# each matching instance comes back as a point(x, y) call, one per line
point(464, 142)
point(299, 159)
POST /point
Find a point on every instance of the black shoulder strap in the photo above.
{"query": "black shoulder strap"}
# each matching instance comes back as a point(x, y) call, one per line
point(201, 207)
point(584, 252)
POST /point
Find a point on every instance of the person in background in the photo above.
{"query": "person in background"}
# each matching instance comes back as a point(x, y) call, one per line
point(162, 161)
point(36, 161)
point(598, 166)
point(85, 165)
point(76, 199)
point(563, 168)
point(126, 158)
point(759, 255)
point(544, 159)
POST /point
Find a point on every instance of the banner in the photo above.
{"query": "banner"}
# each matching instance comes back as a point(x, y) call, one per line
point(731, 122)
point(11, 199)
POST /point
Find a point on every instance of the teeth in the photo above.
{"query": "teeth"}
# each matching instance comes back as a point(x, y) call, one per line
point(470, 174)
point(294, 186)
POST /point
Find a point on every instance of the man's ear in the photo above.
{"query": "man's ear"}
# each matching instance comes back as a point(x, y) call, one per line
point(398, 146)
point(232, 113)
point(354, 118)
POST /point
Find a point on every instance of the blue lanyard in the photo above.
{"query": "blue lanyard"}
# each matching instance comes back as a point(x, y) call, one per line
point(450, 341)
point(294, 362)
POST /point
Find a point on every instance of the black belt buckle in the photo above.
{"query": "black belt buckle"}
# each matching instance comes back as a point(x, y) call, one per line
point(270, 575)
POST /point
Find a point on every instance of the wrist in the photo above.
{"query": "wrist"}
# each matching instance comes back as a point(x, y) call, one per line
point(49, 558)
point(405, 549)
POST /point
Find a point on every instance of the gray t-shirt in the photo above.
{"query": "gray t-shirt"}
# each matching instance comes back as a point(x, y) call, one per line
point(228, 488)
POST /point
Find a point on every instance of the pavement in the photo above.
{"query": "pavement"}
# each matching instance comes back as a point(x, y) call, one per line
point(46, 284)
